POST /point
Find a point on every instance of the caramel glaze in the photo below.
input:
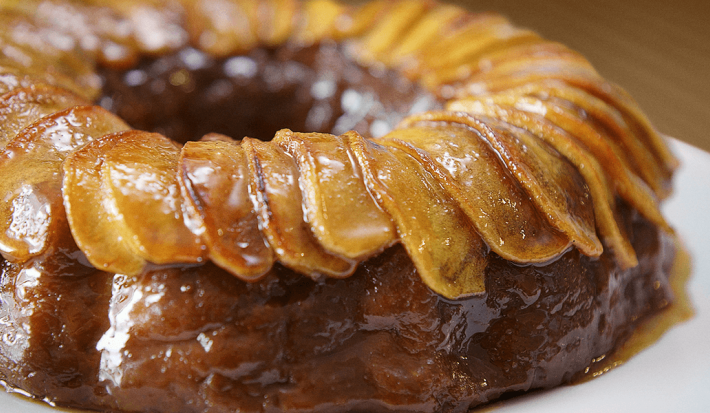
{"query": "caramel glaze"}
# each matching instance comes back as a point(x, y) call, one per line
point(197, 339)
point(318, 88)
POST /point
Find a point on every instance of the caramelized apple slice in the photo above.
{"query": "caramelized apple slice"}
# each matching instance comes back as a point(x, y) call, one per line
point(495, 202)
point(356, 20)
point(86, 201)
point(610, 121)
point(562, 105)
point(516, 73)
point(279, 206)
point(581, 75)
point(425, 32)
point(22, 106)
point(520, 55)
point(214, 176)
point(276, 21)
point(14, 76)
point(629, 186)
point(222, 27)
point(471, 56)
point(588, 166)
point(553, 184)
point(140, 174)
point(32, 212)
point(343, 215)
point(156, 25)
point(27, 43)
point(443, 243)
point(317, 21)
point(387, 32)
point(454, 56)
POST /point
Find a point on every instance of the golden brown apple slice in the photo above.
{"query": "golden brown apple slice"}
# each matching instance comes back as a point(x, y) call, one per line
point(222, 27)
point(628, 185)
point(501, 210)
point(447, 59)
point(32, 215)
point(86, 201)
point(520, 55)
point(155, 25)
point(388, 31)
point(276, 21)
point(460, 70)
point(343, 215)
point(14, 76)
point(140, 174)
point(425, 32)
point(581, 75)
point(594, 121)
point(356, 20)
point(608, 121)
point(587, 165)
point(552, 183)
point(27, 43)
point(214, 176)
point(22, 106)
point(518, 72)
point(274, 183)
point(443, 243)
point(317, 21)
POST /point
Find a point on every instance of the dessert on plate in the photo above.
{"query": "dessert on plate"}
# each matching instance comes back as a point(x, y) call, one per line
point(266, 206)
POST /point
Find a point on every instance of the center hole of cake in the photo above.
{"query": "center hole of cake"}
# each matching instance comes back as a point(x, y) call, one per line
point(188, 94)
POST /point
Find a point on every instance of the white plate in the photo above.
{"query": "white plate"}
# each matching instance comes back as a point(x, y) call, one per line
point(671, 376)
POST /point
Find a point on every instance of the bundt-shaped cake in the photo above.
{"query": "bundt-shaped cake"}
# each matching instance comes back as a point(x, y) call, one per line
point(459, 209)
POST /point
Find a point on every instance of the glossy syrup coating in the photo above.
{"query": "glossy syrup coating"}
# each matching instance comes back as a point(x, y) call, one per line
point(459, 209)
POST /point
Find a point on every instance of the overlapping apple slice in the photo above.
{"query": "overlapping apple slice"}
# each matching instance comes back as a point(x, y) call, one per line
point(388, 30)
point(22, 106)
point(222, 27)
point(639, 157)
point(342, 214)
point(504, 216)
point(214, 179)
point(426, 31)
point(31, 213)
point(519, 71)
point(551, 183)
point(124, 204)
point(29, 45)
point(14, 76)
point(577, 111)
point(601, 190)
point(579, 74)
point(279, 203)
point(140, 176)
point(356, 20)
point(90, 213)
point(276, 20)
point(449, 254)
point(317, 20)
point(455, 57)
point(629, 186)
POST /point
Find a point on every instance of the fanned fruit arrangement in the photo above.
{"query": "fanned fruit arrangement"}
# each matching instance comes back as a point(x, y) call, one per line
point(473, 210)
